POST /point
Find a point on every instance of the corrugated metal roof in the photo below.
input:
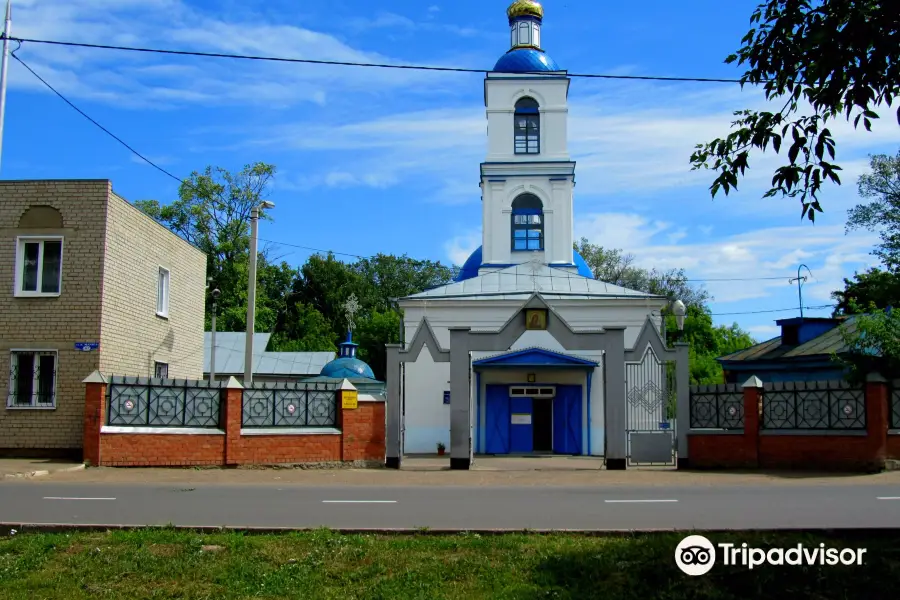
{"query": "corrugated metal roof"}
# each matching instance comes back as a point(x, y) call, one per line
point(230, 347)
point(828, 343)
point(525, 279)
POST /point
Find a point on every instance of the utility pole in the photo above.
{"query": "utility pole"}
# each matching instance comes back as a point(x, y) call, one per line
point(800, 281)
point(212, 348)
point(251, 291)
point(4, 67)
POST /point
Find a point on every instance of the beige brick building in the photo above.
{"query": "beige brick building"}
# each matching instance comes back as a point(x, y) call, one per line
point(83, 268)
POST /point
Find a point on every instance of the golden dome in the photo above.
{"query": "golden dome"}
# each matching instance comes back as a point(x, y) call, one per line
point(525, 8)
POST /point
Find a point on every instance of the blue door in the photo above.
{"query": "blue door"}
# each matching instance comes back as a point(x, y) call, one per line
point(497, 418)
point(521, 428)
point(567, 422)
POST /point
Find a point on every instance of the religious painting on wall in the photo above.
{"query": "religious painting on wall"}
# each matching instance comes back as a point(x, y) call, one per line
point(536, 318)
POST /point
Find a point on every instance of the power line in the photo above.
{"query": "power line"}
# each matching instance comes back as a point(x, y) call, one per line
point(361, 64)
point(774, 310)
point(86, 116)
point(309, 248)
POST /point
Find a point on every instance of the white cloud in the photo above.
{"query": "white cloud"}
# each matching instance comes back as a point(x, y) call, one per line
point(460, 247)
point(754, 255)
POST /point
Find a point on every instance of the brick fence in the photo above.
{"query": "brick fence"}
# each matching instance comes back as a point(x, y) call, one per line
point(796, 425)
point(140, 422)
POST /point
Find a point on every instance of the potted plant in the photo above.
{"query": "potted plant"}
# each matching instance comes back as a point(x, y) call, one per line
point(441, 448)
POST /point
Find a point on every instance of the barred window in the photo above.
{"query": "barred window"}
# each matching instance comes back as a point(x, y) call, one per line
point(32, 381)
point(38, 266)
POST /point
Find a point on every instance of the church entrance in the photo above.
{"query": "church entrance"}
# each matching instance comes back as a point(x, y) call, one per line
point(543, 425)
point(541, 419)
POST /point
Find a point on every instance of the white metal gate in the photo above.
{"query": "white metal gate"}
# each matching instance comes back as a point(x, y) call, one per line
point(650, 409)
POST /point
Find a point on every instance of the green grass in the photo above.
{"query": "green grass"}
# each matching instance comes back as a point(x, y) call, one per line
point(167, 563)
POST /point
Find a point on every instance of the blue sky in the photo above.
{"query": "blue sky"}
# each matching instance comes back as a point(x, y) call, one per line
point(373, 160)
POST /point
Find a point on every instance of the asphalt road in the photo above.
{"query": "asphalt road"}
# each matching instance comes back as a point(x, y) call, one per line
point(475, 508)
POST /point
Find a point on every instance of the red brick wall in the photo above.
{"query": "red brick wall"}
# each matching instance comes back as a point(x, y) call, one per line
point(893, 447)
point(759, 449)
point(164, 450)
point(362, 437)
point(364, 431)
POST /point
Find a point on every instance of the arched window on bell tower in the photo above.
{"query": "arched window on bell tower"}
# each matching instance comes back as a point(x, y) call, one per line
point(527, 127)
point(527, 224)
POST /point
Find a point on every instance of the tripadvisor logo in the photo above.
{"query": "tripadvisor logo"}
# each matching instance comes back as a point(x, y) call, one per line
point(696, 555)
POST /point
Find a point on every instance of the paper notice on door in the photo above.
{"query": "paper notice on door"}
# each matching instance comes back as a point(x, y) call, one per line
point(521, 419)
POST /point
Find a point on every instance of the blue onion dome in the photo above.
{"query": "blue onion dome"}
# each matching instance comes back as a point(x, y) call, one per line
point(470, 268)
point(346, 365)
point(525, 54)
point(525, 60)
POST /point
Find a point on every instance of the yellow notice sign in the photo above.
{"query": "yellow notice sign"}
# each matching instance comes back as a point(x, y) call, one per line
point(349, 399)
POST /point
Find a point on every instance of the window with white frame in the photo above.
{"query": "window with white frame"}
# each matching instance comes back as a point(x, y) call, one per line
point(38, 266)
point(162, 293)
point(32, 379)
point(160, 370)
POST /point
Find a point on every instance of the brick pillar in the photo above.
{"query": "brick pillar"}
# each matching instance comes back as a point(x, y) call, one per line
point(232, 400)
point(878, 399)
point(94, 416)
point(348, 416)
point(753, 399)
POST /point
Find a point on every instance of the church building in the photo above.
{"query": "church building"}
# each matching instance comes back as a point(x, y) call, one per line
point(526, 353)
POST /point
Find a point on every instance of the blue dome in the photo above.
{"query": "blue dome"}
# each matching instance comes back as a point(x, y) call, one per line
point(347, 368)
point(525, 60)
point(473, 263)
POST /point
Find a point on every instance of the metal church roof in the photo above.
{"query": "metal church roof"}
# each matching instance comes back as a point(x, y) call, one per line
point(230, 351)
point(522, 280)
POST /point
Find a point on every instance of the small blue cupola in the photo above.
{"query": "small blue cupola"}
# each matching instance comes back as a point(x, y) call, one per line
point(346, 365)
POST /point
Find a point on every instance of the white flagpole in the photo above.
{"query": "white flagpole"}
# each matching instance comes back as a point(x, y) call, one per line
point(4, 66)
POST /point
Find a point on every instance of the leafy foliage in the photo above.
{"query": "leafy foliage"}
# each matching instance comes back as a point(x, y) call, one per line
point(882, 214)
point(707, 342)
point(873, 342)
point(875, 288)
point(212, 212)
point(832, 57)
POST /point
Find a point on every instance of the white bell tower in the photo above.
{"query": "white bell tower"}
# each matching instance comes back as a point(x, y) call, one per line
point(527, 179)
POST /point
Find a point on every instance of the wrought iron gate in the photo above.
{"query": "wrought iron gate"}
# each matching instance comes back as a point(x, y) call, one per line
point(650, 409)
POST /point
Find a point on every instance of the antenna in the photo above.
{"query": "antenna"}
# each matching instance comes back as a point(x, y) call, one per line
point(800, 281)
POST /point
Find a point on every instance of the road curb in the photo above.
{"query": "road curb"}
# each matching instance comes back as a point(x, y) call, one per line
point(7, 529)
point(43, 472)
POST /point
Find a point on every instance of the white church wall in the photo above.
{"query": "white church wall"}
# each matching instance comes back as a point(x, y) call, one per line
point(501, 95)
point(427, 419)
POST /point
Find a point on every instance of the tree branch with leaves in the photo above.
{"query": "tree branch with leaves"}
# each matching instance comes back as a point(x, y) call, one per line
point(832, 58)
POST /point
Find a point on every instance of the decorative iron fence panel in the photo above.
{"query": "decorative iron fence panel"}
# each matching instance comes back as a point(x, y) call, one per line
point(895, 404)
point(298, 405)
point(143, 402)
point(717, 406)
point(814, 405)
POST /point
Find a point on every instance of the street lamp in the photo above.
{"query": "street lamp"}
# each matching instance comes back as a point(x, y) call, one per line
point(679, 310)
point(251, 291)
point(212, 350)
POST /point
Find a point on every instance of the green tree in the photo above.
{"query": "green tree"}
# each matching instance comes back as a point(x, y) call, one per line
point(882, 213)
point(212, 212)
point(818, 60)
point(325, 283)
point(875, 288)
point(372, 333)
point(392, 277)
point(873, 342)
point(302, 328)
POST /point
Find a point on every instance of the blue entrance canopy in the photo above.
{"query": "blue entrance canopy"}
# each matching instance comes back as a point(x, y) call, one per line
point(535, 357)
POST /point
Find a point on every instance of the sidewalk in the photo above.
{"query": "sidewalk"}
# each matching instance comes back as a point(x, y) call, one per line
point(501, 472)
point(19, 468)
